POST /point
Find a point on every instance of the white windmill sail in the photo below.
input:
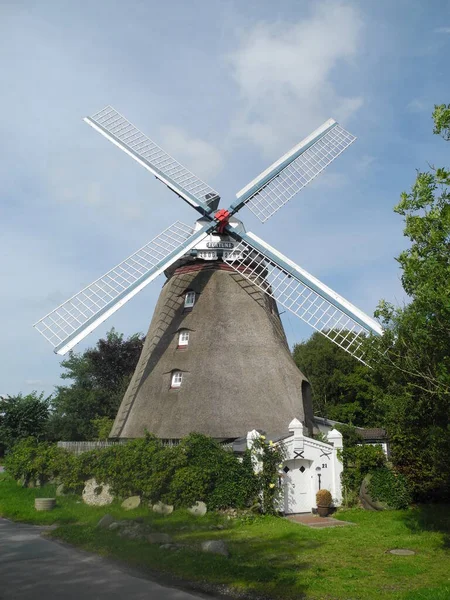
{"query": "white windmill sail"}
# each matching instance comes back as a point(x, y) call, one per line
point(73, 320)
point(131, 140)
point(292, 172)
point(302, 294)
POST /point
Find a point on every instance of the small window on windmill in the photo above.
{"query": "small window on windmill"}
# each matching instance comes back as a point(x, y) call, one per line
point(189, 299)
point(183, 338)
point(177, 378)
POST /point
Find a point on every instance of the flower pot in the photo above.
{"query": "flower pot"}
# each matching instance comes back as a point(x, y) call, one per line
point(323, 510)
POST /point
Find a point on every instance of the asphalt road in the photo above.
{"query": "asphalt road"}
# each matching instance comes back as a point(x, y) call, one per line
point(34, 568)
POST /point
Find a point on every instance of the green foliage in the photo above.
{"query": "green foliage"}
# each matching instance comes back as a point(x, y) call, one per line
point(226, 482)
point(31, 460)
point(22, 417)
point(102, 427)
point(100, 377)
point(140, 467)
point(358, 460)
point(342, 387)
point(412, 359)
point(441, 118)
point(267, 458)
point(189, 485)
point(390, 487)
point(198, 469)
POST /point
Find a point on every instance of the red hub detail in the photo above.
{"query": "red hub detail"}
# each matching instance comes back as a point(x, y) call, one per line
point(222, 216)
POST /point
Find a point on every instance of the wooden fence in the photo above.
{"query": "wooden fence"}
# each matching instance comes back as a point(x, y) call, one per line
point(80, 447)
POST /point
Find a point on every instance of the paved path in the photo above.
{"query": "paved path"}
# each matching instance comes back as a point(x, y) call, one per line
point(317, 522)
point(34, 568)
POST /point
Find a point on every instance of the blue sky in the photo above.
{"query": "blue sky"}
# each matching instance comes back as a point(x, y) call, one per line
point(226, 87)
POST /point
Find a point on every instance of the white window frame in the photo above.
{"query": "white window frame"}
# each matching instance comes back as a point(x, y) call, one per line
point(189, 299)
point(183, 338)
point(176, 379)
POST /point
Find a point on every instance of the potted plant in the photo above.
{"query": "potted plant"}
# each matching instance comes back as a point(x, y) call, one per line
point(323, 500)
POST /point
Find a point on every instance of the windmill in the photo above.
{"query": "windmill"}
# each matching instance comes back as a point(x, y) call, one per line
point(216, 359)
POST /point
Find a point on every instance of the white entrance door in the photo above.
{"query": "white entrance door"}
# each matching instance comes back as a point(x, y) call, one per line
point(297, 486)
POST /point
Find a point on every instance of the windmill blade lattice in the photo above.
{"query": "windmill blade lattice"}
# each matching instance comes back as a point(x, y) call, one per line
point(65, 326)
point(129, 138)
point(292, 172)
point(303, 295)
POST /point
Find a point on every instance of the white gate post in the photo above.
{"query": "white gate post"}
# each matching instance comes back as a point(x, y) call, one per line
point(334, 437)
point(256, 461)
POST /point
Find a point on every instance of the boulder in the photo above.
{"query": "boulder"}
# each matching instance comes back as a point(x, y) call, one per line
point(172, 546)
point(132, 531)
point(131, 503)
point(215, 547)
point(105, 522)
point(114, 526)
point(162, 509)
point(95, 494)
point(366, 499)
point(159, 538)
point(60, 490)
point(198, 510)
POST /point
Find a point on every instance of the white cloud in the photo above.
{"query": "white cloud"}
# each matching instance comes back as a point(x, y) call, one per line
point(200, 157)
point(442, 30)
point(286, 75)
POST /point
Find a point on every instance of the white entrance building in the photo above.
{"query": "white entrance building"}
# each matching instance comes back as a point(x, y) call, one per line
point(309, 465)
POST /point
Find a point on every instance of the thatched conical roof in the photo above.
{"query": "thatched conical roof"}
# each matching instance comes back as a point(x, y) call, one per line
point(238, 373)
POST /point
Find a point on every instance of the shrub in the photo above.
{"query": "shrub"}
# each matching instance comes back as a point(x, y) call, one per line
point(358, 461)
point(324, 498)
point(387, 486)
point(33, 460)
point(236, 484)
point(141, 467)
point(188, 485)
point(268, 457)
point(198, 469)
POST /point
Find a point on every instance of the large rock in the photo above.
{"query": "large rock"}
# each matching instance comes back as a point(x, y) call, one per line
point(366, 499)
point(162, 509)
point(131, 503)
point(215, 547)
point(105, 522)
point(95, 494)
point(198, 510)
point(159, 538)
point(172, 546)
point(132, 531)
point(60, 490)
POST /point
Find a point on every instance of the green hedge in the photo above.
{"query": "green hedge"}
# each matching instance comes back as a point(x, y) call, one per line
point(198, 469)
point(390, 487)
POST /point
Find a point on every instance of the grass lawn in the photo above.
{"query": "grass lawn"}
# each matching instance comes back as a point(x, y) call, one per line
point(270, 556)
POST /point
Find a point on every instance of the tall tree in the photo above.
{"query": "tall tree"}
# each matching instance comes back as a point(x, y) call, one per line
point(412, 359)
point(21, 417)
point(99, 378)
point(342, 387)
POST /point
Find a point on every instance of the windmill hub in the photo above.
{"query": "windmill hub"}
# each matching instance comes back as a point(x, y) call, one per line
point(223, 217)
